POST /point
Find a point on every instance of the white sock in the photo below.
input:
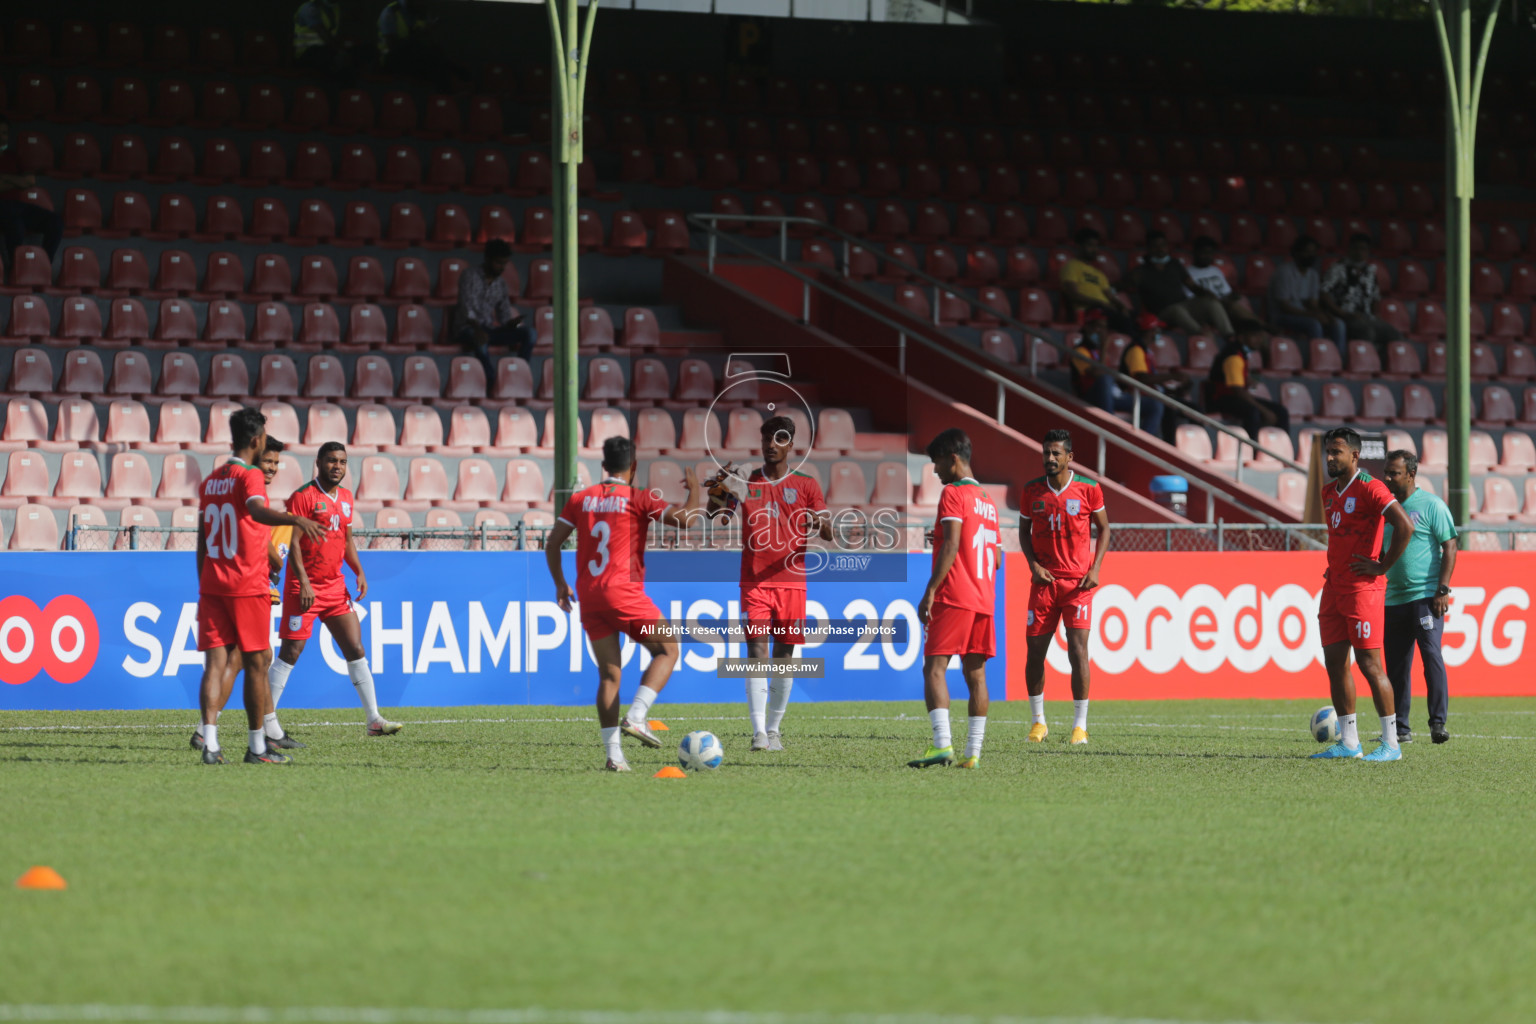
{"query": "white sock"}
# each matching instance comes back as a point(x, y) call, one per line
point(1349, 734)
point(1389, 730)
point(1080, 714)
point(976, 731)
point(270, 724)
point(612, 744)
point(778, 700)
point(277, 678)
point(362, 679)
point(200, 728)
point(640, 710)
point(258, 741)
point(757, 703)
point(211, 736)
point(1037, 708)
point(940, 719)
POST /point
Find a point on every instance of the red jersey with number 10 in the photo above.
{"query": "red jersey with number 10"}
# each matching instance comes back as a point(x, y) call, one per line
point(1059, 524)
point(1354, 519)
point(333, 513)
point(969, 582)
point(235, 544)
point(610, 521)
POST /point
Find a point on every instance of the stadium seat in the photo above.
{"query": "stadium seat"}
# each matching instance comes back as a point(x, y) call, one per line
point(30, 321)
point(421, 431)
point(365, 279)
point(374, 428)
point(319, 325)
point(475, 487)
point(79, 480)
point(36, 529)
point(366, 328)
point(1497, 408)
point(516, 430)
point(468, 430)
point(524, 486)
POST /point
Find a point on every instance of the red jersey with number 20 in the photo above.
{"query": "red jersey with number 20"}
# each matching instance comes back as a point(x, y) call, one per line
point(969, 582)
point(1059, 524)
point(774, 517)
point(1354, 518)
point(610, 520)
point(333, 513)
point(235, 544)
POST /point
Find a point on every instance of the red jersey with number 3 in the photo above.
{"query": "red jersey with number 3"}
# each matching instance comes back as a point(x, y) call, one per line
point(235, 544)
point(610, 520)
point(333, 513)
point(1059, 524)
point(1354, 519)
point(969, 582)
point(775, 515)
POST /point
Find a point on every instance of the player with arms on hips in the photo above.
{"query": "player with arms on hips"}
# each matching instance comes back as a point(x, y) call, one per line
point(316, 588)
point(956, 609)
point(1057, 512)
point(1353, 609)
point(234, 605)
point(777, 508)
point(610, 520)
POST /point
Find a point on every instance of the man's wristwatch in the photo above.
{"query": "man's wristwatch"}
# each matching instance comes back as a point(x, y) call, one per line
point(1442, 591)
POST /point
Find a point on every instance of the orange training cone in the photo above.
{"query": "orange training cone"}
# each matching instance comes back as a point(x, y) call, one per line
point(657, 725)
point(41, 877)
point(671, 771)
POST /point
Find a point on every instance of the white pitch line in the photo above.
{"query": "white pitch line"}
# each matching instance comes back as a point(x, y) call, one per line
point(531, 1015)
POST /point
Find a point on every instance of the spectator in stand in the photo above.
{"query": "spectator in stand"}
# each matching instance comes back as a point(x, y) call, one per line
point(1350, 292)
point(19, 215)
point(317, 42)
point(1210, 279)
point(1226, 392)
point(484, 315)
point(1097, 386)
point(1137, 361)
point(1295, 296)
point(408, 44)
point(1166, 291)
point(1085, 287)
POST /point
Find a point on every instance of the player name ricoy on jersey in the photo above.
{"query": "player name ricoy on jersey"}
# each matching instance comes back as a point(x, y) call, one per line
point(221, 485)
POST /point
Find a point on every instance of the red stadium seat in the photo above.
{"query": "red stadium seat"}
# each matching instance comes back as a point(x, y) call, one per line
point(360, 224)
point(451, 227)
point(365, 279)
point(80, 319)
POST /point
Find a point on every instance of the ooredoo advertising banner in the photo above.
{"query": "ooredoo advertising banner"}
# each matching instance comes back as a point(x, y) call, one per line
point(1182, 625)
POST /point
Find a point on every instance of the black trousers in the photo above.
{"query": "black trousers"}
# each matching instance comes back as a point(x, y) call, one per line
point(18, 219)
point(1406, 627)
point(1248, 412)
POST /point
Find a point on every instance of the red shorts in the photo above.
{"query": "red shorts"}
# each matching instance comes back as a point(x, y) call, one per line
point(1050, 603)
point(223, 620)
point(612, 610)
point(953, 630)
point(779, 609)
point(330, 602)
point(1355, 617)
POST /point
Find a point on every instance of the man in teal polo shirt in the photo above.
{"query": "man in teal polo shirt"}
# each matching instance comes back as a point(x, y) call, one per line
point(1418, 594)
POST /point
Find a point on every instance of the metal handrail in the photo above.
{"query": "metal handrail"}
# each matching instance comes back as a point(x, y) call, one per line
point(1138, 388)
point(1004, 384)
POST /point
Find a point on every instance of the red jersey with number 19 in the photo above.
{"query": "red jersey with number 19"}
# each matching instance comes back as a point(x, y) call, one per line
point(235, 555)
point(969, 582)
point(610, 521)
point(1059, 524)
point(1355, 522)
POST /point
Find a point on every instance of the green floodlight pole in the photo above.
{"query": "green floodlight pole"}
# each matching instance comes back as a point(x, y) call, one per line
point(1464, 89)
point(570, 65)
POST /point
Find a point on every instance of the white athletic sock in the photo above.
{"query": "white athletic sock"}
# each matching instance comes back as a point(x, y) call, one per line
point(362, 679)
point(940, 719)
point(1389, 730)
point(976, 731)
point(612, 744)
point(1349, 734)
point(778, 700)
point(640, 710)
point(211, 737)
point(270, 724)
point(757, 703)
point(200, 728)
point(277, 678)
point(1037, 708)
point(1080, 714)
point(258, 741)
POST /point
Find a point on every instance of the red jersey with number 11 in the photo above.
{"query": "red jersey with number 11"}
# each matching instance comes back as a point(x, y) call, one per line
point(969, 582)
point(610, 521)
point(235, 544)
point(1059, 524)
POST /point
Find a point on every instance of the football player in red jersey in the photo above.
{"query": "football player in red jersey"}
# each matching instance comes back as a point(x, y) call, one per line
point(610, 520)
point(234, 608)
point(1056, 512)
point(316, 589)
point(777, 508)
point(956, 609)
point(1353, 608)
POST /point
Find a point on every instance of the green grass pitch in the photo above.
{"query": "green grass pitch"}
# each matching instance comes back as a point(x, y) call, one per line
point(1190, 865)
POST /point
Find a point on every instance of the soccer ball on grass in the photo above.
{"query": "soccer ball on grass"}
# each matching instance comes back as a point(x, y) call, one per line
point(1325, 725)
point(700, 750)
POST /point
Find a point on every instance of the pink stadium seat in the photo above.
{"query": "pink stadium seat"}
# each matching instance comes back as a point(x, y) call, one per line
point(36, 529)
point(79, 480)
point(421, 431)
point(372, 378)
point(468, 429)
point(26, 420)
point(77, 426)
point(319, 325)
point(1497, 408)
point(83, 374)
point(846, 485)
point(374, 428)
point(1377, 403)
point(701, 432)
point(516, 429)
point(654, 430)
point(1482, 454)
point(179, 375)
point(366, 327)
point(1296, 399)
point(131, 375)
